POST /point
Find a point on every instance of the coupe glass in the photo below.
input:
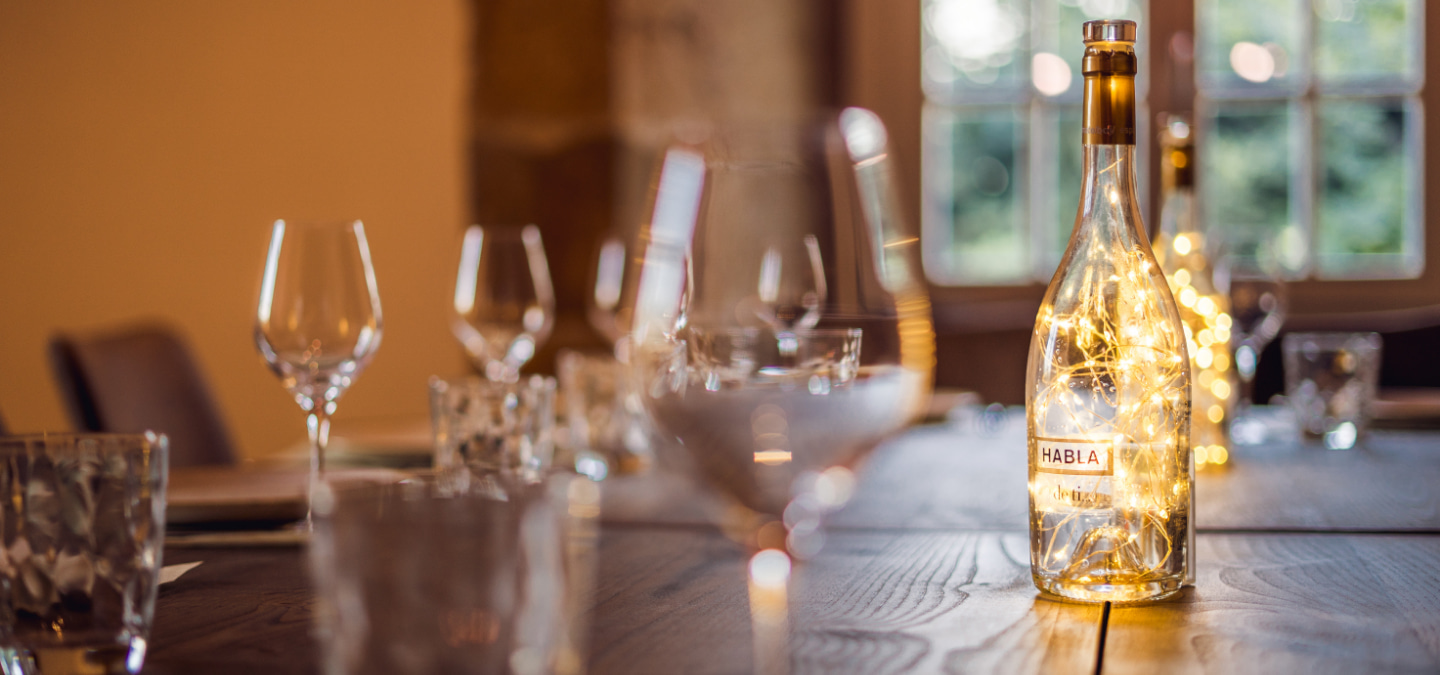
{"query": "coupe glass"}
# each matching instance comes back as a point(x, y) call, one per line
point(1258, 304)
point(504, 303)
point(781, 327)
point(318, 319)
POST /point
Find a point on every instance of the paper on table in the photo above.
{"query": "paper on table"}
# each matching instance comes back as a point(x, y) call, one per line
point(170, 573)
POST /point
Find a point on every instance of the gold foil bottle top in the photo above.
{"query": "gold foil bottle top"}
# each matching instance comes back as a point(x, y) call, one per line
point(1109, 66)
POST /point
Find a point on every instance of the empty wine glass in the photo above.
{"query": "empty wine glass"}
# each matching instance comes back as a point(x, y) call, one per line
point(318, 320)
point(1258, 303)
point(614, 271)
point(781, 329)
point(504, 303)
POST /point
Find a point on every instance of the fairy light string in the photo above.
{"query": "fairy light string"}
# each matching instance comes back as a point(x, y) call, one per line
point(1115, 373)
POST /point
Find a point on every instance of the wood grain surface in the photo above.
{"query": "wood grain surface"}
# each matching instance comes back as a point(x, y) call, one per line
point(675, 601)
point(1277, 603)
point(1310, 561)
point(947, 478)
point(240, 611)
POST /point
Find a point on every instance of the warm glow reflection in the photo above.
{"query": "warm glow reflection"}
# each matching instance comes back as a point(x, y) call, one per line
point(769, 611)
point(772, 457)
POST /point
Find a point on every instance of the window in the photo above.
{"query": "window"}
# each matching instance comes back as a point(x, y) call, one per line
point(1310, 140)
point(1000, 133)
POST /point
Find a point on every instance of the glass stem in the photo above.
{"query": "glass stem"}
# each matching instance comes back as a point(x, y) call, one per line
point(318, 424)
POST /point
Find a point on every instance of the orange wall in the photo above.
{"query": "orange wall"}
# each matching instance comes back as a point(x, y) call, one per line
point(146, 146)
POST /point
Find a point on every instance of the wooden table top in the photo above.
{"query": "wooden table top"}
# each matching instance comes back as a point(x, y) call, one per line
point(1308, 561)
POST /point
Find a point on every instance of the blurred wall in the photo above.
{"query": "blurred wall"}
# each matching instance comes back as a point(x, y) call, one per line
point(146, 146)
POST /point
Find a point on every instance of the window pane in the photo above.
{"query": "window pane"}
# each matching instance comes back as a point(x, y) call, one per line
point(974, 222)
point(975, 50)
point(1250, 45)
point(1369, 199)
point(1057, 181)
point(1250, 163)
point(1057, 33)
point(1367, 42)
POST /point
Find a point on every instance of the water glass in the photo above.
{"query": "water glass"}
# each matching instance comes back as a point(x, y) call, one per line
point(83, 526)
point(604, 416)
point(488, 426)
point(421, 577)
point(1330, 382)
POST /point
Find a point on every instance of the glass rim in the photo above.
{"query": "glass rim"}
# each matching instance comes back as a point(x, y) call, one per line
point(319, 223)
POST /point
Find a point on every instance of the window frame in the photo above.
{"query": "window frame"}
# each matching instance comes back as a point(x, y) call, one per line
point(881, 50)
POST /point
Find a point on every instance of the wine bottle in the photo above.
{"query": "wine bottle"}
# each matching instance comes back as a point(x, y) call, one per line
point(1188, 262)
point(1108, 390)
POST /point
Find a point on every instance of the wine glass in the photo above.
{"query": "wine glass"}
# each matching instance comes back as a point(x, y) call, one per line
point(1258, 303)
point(504, 303)
point(317, 321)
point(781, 329)
point(614, 272)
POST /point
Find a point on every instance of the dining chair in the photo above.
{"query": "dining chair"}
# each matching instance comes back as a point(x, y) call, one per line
point(140, 378)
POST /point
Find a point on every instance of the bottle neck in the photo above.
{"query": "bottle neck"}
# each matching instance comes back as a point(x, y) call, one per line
point(1109, 115)
point(1108, 194)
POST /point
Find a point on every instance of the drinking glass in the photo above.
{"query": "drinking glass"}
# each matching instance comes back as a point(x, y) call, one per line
point(423, 576)
point(84, 519)
point(504, 303)
point(1330, 383)
point(781, 327)
point(318, 319)
point(1258, 302)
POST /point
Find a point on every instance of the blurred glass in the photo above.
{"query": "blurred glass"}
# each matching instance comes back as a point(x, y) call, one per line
point(483, 426)
point(1249, 166)
point(84, 520)
point(423, 577)
point(1367, 216)
point(604, 417)
point(974, 49)
point(1367, 42)
point(1251, 45)
point(1330, 384)
point(774, 417)
point(606, 308)
point(504, 303)
point(1259, 303)
point(976, 224)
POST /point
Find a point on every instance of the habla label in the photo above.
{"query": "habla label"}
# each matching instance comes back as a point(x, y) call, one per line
point(1053, 455)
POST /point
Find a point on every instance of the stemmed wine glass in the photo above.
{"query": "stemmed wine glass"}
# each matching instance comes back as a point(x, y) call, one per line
point(1258, 304)
point(317, 321)
point(781, 329)
point(504, 303)
point(606, 308)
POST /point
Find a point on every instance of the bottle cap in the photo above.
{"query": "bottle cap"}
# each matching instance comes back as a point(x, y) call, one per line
point(1109, 30)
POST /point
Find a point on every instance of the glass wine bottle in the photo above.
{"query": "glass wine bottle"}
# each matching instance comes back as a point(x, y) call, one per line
point(1108, 394)
point(1188, 262)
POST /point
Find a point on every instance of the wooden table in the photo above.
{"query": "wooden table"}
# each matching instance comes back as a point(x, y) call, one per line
point(1309, 561)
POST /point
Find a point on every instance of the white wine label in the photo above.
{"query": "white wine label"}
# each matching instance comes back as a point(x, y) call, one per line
point(1054, 491)
point(1058, 455)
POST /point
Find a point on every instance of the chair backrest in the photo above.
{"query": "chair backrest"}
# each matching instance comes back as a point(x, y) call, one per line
point(137, 379)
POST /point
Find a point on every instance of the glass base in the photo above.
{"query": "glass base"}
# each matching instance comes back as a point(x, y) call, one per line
point(1096, 593)
point(77, 660)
